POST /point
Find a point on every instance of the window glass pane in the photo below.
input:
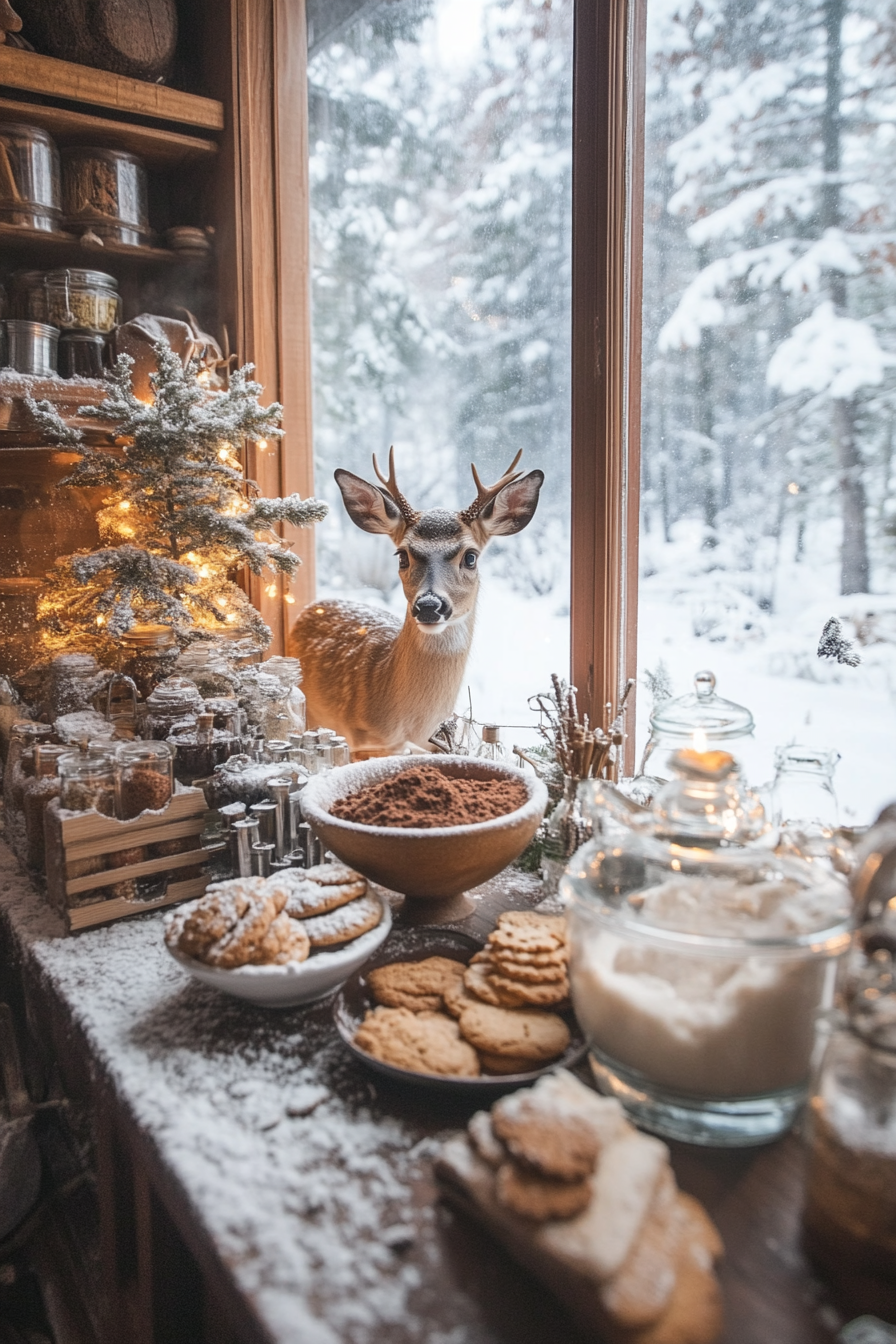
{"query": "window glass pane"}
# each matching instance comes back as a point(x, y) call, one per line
point(770, 372)
point(440, 202)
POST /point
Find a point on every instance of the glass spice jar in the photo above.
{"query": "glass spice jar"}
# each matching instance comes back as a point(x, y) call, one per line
point(148, 656)
point(87, 782)
point(174, 700)
point(41, 788)
point(266, 704)
point(74, 680)
point(72, 300)
point(144, 781)
point(23, 736)
point(850, 1214)
point(199, 750)
point(288, 672)
point(207, 666)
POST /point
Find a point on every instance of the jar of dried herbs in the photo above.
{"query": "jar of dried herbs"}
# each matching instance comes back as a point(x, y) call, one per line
point(145, 777)
point(148, 656)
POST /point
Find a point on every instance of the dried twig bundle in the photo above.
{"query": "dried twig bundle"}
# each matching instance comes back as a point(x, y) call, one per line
point(583, 750)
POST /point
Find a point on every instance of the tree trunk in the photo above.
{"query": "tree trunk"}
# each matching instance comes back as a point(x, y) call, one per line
point(854, 567)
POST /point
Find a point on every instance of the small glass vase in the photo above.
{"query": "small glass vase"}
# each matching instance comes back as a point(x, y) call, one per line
point(565, 831)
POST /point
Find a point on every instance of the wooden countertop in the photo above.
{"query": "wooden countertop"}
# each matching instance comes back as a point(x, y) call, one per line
point(325, 1226)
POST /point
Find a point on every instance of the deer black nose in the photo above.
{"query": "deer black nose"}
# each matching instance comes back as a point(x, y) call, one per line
point(429, 609)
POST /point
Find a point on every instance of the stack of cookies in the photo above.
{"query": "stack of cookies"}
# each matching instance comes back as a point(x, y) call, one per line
point(275, 920)
point(444, 1016)
point(591, 1206)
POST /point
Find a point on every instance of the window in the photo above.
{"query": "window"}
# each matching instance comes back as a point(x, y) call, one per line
point(769, 384)
point(440, 187)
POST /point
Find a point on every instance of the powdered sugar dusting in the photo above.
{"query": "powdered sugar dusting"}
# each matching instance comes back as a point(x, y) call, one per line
point(344, 921)
point(293, 1159)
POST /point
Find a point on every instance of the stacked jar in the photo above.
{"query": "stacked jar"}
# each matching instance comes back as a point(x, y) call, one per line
point(73, 311)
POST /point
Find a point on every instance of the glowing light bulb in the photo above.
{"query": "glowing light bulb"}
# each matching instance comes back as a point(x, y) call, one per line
point(125, 505)
point(221, 601)
point(699, 740)
point(125, 530)
point(262, 444)
point(231, 618)
point(101, 620)
point(271, 590)
point(191, 556)
point(224, 452)
point(204, 572)
point(288, 597)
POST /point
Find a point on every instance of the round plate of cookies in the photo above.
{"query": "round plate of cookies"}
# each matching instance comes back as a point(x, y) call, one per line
point(437, 1008)
point(283, 940)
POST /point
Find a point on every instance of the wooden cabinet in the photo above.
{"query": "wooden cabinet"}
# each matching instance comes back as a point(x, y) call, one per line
point(231, 155)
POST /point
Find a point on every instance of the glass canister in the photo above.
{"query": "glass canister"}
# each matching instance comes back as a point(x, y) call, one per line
point(803, 788)
point(105, 191)
point(266, 703)
point(41, 788)
point(850, 1214)
point(699, 967)
point(87, 782)
point(75, 679)
point(22, 739)
point(701, 720)
point(173, 701)
point(81, 354)
point(288, 672)
point(145, 778)
point(207, 666)
point(30, 194)
point(199, 750)
point(148, 656)
point(73, 300)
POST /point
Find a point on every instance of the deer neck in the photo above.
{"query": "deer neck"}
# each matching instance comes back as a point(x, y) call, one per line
point(427, 668)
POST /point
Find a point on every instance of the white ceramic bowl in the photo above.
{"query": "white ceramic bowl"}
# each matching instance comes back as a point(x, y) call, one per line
point(296, 982)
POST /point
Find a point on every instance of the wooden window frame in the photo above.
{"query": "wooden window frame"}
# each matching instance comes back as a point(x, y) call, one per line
point(270, 307)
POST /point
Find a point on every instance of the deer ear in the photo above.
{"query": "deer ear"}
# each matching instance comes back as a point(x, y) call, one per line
point(368, 507)
point(512, 508)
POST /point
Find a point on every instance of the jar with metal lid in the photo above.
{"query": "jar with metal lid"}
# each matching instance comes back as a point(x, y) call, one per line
point(71, 299)
point(39, 790)
point(148, 655)
point(702, 962)
point(30, 194)
point(104, 191)
point(703, 721)
point(144, 777)
point(87, 782)
point(850, 1212)
point(173, 702)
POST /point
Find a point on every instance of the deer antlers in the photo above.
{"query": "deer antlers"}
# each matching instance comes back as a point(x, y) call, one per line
point(486, 493)
point(409, 515)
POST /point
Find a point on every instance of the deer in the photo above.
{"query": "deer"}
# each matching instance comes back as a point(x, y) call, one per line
point(384, 684)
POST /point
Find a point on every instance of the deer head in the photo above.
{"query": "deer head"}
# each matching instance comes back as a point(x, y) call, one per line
point(438, 550)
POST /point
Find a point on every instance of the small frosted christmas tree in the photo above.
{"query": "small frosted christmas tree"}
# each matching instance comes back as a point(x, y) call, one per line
point(179, 516)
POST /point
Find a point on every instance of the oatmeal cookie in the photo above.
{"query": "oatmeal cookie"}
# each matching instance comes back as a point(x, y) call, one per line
point(532, 975)
point(478, 982)
point(456, 997)
point(244, 944)
point(421, 1042)
point(543, 995)
point(482, 1136)
point(305, 898)
point(333, 875)
point(537, 1197)
point(505, 1064)
point(524, 1035)
point(284, 941)
point(344, 924)
point(211, 918)
point(400, 983)
point(529, 931)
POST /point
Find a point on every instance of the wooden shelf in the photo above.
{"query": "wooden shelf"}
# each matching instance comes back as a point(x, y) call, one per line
point(98, 88)
point(159, 149)
point(66, 249)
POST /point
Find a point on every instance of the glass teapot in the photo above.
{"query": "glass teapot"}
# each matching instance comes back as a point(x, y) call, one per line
point(700, 959)
point(701, 720)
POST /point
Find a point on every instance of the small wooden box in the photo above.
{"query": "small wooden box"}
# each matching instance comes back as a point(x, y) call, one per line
point(89, 835)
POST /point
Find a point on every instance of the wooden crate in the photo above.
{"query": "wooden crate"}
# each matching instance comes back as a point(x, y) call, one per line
point(89, 835)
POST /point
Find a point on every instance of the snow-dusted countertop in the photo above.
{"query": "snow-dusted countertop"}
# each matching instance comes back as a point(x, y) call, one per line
point(310, 1180)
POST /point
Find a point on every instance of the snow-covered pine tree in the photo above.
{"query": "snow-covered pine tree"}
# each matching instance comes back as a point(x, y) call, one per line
point(178, 516)
point(783, 185)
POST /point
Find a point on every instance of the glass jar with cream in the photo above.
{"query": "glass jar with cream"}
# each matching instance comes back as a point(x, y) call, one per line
point(700, 963)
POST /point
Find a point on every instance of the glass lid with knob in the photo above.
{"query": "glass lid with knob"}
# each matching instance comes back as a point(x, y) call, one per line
point(701, 720)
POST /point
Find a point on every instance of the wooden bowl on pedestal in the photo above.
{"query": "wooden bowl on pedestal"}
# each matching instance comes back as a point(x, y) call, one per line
point(431, 866)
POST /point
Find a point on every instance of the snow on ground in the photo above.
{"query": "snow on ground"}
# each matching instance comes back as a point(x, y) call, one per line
point(694, 616)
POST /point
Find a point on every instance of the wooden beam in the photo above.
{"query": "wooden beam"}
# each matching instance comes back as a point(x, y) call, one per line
point(606, 305)
point(99, 88)
point(294, 280)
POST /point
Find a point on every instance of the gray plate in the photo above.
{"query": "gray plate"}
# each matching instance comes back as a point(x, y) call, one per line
point(355, 998)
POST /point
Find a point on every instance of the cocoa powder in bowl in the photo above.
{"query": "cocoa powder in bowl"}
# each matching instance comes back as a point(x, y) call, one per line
point(426, 796)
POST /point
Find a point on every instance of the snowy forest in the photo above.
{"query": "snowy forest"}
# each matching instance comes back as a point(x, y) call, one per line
point(441, 205)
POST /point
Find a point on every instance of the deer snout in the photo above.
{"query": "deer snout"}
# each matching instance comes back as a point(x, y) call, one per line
point(429, 609)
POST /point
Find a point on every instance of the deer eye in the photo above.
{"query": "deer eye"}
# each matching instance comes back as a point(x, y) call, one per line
point(470, 558)
point(403, 561)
